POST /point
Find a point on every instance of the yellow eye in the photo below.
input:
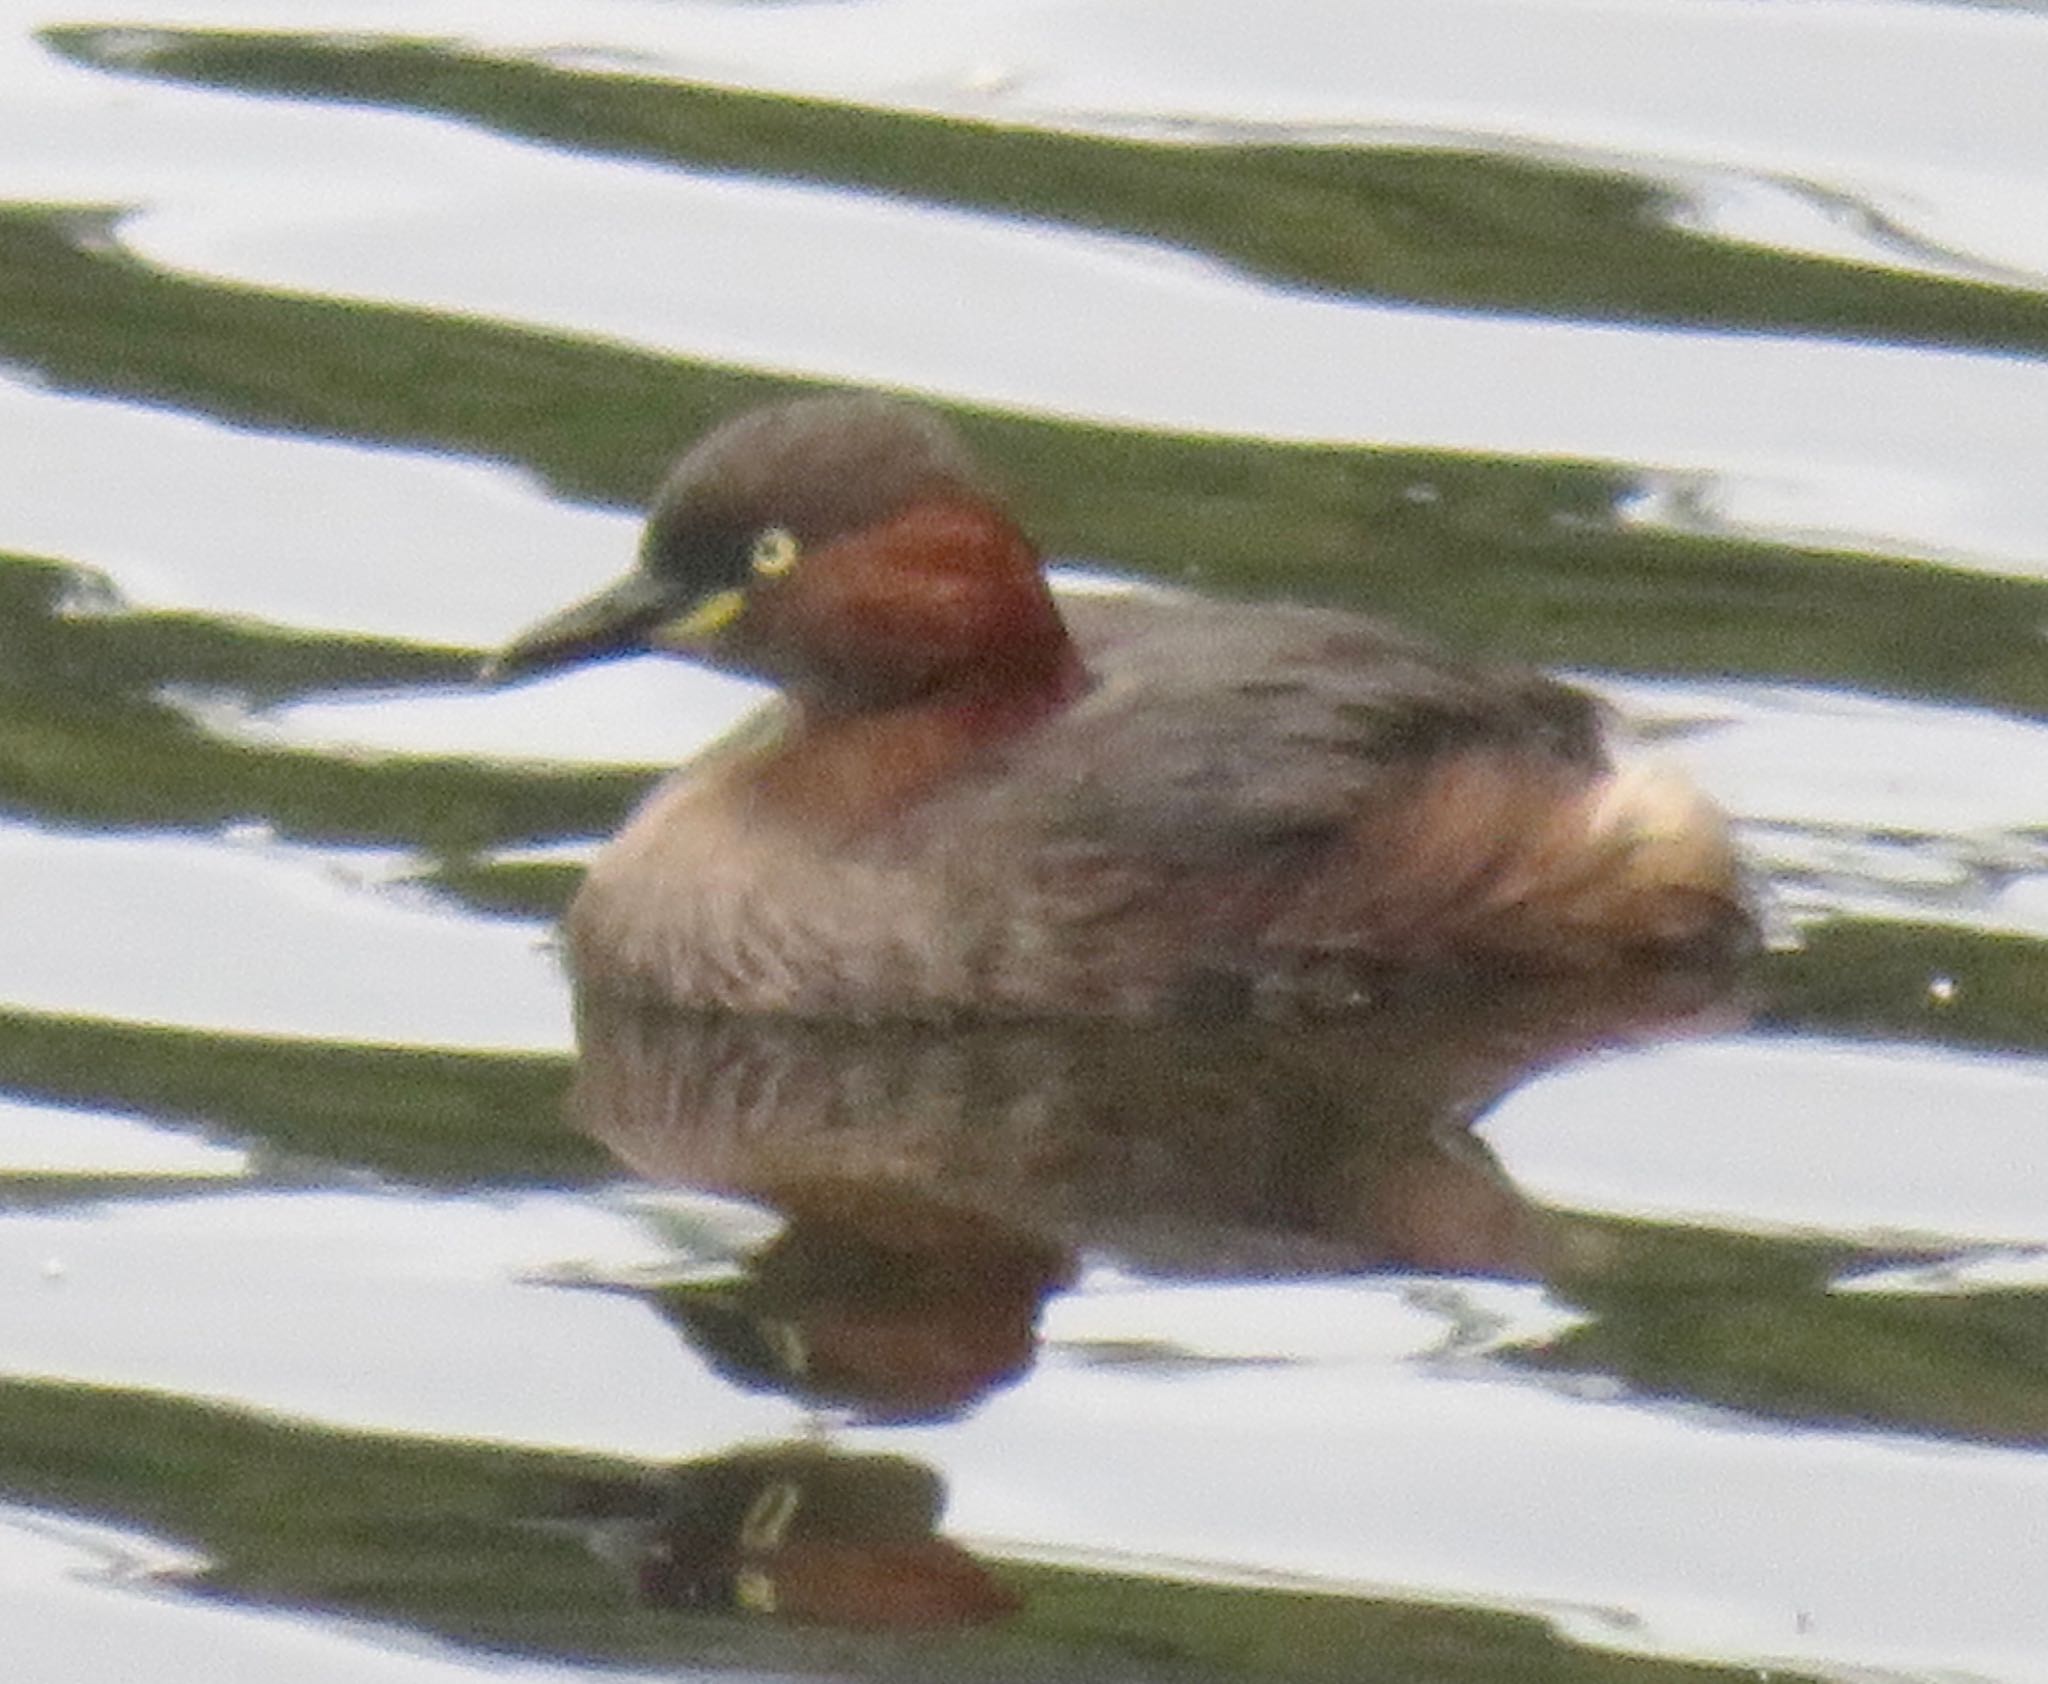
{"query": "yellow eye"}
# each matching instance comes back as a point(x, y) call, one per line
point(775, 552)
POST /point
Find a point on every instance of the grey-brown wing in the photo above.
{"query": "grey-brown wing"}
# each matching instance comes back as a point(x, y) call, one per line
point(1218, 737)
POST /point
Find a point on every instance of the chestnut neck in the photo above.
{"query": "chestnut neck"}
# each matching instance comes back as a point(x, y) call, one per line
point(942, 605)
point(923, 642)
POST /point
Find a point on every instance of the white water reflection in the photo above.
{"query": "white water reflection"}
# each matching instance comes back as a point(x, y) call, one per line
point(386, 1312)
point(651, 711)
point(1133, 1322)
point(61, 1140)
point(263, 938)
point(182, 511)
point(1869, 1142)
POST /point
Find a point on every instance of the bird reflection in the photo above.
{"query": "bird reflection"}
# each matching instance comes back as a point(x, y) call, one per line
point(937, 1184)
point(797, 1532)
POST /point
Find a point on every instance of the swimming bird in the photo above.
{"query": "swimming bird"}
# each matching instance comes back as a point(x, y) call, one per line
point(977, 795)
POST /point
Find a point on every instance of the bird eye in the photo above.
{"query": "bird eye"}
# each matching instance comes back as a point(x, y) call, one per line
point(775, 552)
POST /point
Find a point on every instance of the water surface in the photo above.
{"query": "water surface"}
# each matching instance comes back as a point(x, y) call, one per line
point(1695, 348)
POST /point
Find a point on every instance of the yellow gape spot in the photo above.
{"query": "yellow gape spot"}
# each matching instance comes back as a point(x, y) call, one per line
point(702, 623)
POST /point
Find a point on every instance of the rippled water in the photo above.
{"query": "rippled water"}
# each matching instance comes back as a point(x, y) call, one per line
point(352, 1331)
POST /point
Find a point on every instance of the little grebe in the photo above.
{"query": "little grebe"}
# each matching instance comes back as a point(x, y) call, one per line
point(975, 798)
